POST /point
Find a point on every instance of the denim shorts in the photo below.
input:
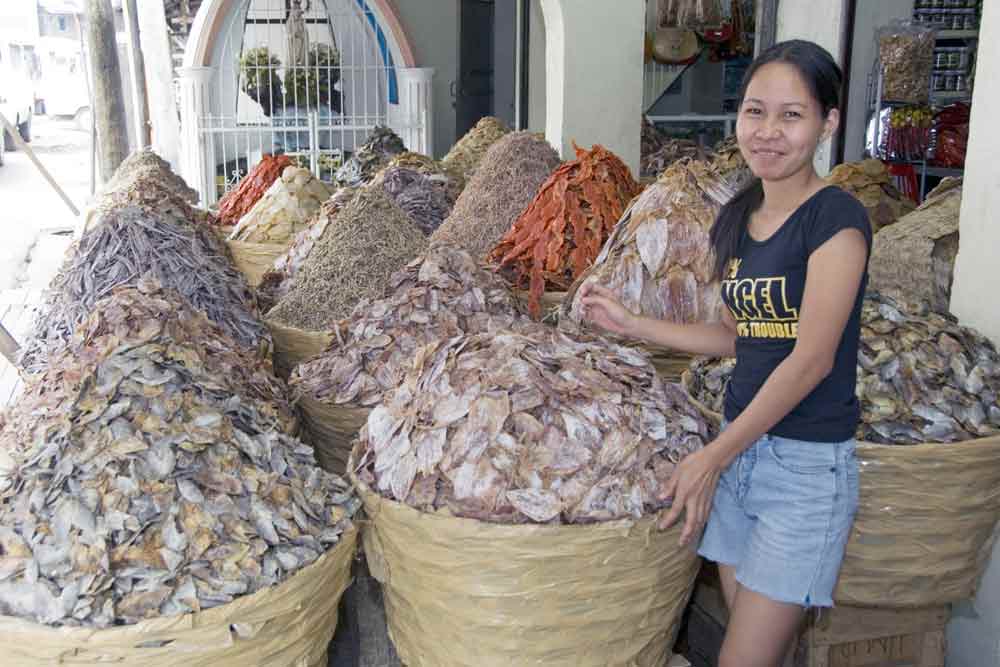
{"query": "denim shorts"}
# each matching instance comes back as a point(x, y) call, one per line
point(781, 517)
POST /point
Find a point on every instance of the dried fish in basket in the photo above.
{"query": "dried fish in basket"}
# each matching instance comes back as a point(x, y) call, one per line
point(129, 243)
point(505, 183)
point(869, 181)
point(419, 195)
point(561, 232)
point(449, 178)
point(152, 474)
point(469, 151)
point(284, 210)
point(515, 458)
point(380, 147)
point(237, 202)
point(442, 294)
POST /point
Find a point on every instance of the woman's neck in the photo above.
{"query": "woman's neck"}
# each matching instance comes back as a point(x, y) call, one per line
point(786, 195)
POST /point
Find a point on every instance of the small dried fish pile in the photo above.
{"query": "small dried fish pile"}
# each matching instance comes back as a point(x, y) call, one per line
point(148, 190)
point(659, 260)
point(922, 245)
point(237, 202)
point(469, 151)
point(418, 195)
point(529, 427)
point(442, 294)
point(921, 377)
point(505, 183)
point(284, 210)
point(562, 231)
point(354, 260)
point(275, 282)
point(651, 139)
point(869, 181)
point(375, 153)
point(128, 244)
point(141, 482)
point(145, 164)
point(670, 151)
point(728, 160)
point(449, 178)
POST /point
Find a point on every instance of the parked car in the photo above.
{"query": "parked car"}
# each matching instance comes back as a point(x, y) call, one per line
point(63, 85)
point(17, 102)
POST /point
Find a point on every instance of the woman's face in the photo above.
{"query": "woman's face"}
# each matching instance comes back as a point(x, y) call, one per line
point(780, 123)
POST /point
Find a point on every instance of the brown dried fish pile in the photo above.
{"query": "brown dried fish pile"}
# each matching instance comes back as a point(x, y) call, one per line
point(658, 259)
point(149, 191)
point(442, 294)
point(651, 139)
point(669, 152)
point(728, 160)
point(370, 240)
point(508, 179)
point(285, 209)
point(146, 475)
point(529, 427)
point(380, 147)
point(145, 164)
point(449, 178)
point(921, 377)
point(129, 243)
point(423, 199)
point(869, 181)
point(276, 281)
point(468, 152)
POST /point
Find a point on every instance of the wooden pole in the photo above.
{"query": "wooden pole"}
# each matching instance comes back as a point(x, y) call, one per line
point(163, 114)
point(140, 101)
point(21, 145)
point(109, 108)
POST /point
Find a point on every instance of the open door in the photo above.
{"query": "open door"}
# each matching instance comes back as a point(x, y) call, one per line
point(474, 90)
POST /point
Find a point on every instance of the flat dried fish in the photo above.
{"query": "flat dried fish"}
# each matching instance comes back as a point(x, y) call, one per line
point(556, 461)
point(668, 152)
point(376, 151)
point(870, 182)
point(284, 210)
point(110, 535)
point(449, 178)
point(422, 197)
point(237, 202)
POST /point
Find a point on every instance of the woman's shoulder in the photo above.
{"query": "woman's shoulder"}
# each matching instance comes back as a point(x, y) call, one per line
point(834, 197)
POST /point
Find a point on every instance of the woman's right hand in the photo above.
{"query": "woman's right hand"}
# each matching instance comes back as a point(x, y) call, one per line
point(600, 306)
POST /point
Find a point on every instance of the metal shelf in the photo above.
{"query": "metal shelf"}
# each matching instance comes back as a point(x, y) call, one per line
point(951, 96)
point(957, 34)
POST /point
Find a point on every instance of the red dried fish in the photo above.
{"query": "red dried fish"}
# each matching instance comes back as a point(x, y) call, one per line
point(241, 199)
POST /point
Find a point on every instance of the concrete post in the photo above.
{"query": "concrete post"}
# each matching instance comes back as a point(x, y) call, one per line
point(593, 75)
point(413, 118)
point(194, 165)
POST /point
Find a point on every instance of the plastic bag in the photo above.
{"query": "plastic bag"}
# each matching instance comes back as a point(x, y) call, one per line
point(906, 52)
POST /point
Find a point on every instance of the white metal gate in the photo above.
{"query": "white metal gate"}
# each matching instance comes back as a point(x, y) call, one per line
point(309, 78)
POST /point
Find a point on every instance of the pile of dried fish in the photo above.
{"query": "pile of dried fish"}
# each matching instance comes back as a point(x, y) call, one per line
point(355, 259)
point(727, 158)
point(505, 183)
point(284, 210)
point(562, 231)
point(659, 260)
point(380, 146)
point(442, 294)
point(145, 164)
point(922, 245)
point(670, 151)
point(651, 139)
point(237, 202)
point(921, 377)
point(422, 197)
point(532, 426)
point(469, 151)
point(128, 244)
point(869, 181)
point(145, 477)
point(148, 190)
point(448, 177)
point(276, 281)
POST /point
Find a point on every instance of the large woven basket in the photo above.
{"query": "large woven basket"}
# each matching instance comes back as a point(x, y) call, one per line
point(254, 259)
point(293, 346)
point(925, 524)
point(461, 592)
point(288, 625)
point(331, 429)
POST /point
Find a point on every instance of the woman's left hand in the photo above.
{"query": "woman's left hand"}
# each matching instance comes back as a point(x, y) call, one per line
point(692, 488)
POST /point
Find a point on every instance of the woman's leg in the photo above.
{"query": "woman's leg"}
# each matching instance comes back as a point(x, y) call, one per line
point(760, 631)
point(730, 587)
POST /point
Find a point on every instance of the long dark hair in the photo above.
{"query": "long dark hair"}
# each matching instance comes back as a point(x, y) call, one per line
point(824, 78)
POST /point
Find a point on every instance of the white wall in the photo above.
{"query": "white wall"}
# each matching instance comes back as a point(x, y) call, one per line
point(974, 633)
point(869, 14)
point(536, 68)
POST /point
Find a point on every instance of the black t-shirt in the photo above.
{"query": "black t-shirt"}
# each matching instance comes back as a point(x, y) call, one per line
point(763, 290)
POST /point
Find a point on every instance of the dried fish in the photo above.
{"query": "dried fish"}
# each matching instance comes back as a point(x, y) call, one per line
point(468, 152)
point(449, 178)
point(727, 159)
point(380, 146)
point(505, 183)
point(651, 139)
point(129, 243)
point(869, 181)
point(145, 164)
point(561, 232)
point(599, 444)
point(284, 210)
point(420, 196)
point(442, 294)
point(669, 151)
point(355, 259)
point(921, 376)
point(237, 202)
point(209, 485)
point(658, 258)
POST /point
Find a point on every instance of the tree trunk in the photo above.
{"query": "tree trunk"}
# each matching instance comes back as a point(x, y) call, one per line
point(109, 107)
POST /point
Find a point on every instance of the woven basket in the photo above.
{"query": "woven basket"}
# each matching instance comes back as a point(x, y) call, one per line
point(288, 625)
point(293, 346)
point(462, 592)
point(925, 525)
point(330, 430)
point(254, 259)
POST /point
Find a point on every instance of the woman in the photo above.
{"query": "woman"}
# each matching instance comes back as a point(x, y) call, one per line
point(778, 487)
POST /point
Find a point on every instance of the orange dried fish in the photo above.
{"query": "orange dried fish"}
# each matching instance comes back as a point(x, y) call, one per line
point(562, 231)
point(241, 199)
